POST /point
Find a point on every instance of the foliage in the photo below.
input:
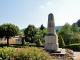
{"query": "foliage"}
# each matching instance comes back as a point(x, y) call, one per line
point(78, 23)
point(41, 34)
point(39, 43)
point(67, 46)
point(42, 27)
point(66, 33)
point(75, 39)
point(32, 44)
point(8, 30)
point(75, 47)
point(75, 34)
point(2, 45)
point(23, 42)
point(30, 33)
point(28, 53)
point(61, 42)
point(70, 33)
point(74, 28)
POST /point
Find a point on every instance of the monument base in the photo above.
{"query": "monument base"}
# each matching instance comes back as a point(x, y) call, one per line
point(60, 51)
point(51, 46)
point(51, 42)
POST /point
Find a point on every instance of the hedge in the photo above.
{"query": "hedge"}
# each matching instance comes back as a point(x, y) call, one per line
point(67, 46)
point(2, 45)
point(75, 47)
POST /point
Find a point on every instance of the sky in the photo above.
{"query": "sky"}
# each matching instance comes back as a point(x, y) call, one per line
point(35, 12)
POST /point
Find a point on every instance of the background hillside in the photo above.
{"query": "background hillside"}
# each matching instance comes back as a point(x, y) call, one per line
point(57, 28)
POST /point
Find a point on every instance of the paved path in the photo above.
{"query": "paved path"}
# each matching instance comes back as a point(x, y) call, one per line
point(77, 55)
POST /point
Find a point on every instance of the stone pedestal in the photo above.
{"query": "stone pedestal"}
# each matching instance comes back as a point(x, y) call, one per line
point(51, 42)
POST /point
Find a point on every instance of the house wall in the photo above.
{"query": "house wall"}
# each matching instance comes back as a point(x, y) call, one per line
point(3, 41)
point(15, 40)
point(12, 40)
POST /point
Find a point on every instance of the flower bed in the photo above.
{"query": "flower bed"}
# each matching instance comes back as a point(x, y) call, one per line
point(28, 53)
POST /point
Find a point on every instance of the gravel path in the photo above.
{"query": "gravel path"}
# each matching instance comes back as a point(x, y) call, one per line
point(77, 55)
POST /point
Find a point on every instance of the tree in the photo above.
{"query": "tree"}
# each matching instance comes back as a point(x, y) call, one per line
point(66, 33)
point(42, 27)
point(74, 27)
point(61, 42)
point(41, 34)
point(76, 33)
point(78, 23)
point(30, 33)
point(8, 30)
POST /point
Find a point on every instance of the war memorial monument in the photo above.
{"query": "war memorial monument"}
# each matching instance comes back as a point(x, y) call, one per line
point(51, 38)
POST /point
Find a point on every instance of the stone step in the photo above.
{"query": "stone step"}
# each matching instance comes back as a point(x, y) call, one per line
point(59, 52)
point(59, 49)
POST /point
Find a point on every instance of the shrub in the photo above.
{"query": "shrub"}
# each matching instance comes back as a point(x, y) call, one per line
point(61, 42)
point(32, 44)
point(67, 46)
point(39, 43)
point(2, 45)
point(28, 53)
point(75, 47)
point(23, 42)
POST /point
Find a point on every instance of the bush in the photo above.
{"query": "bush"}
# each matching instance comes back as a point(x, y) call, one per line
point(2, 45)
point(15, 45)
point(32, 44)
point(75, 47)
point(39, 43)
point(67, 46)
point(23, 42)
point(28, 53)
point(61, 42)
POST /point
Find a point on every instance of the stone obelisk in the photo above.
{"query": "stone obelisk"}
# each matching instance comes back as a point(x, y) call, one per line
point(51, 38)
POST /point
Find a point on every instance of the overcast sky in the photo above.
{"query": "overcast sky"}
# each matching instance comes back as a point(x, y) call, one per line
point(25, 12)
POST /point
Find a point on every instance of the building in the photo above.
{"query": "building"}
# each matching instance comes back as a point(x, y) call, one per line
point(12, 40)
point(3, 40)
